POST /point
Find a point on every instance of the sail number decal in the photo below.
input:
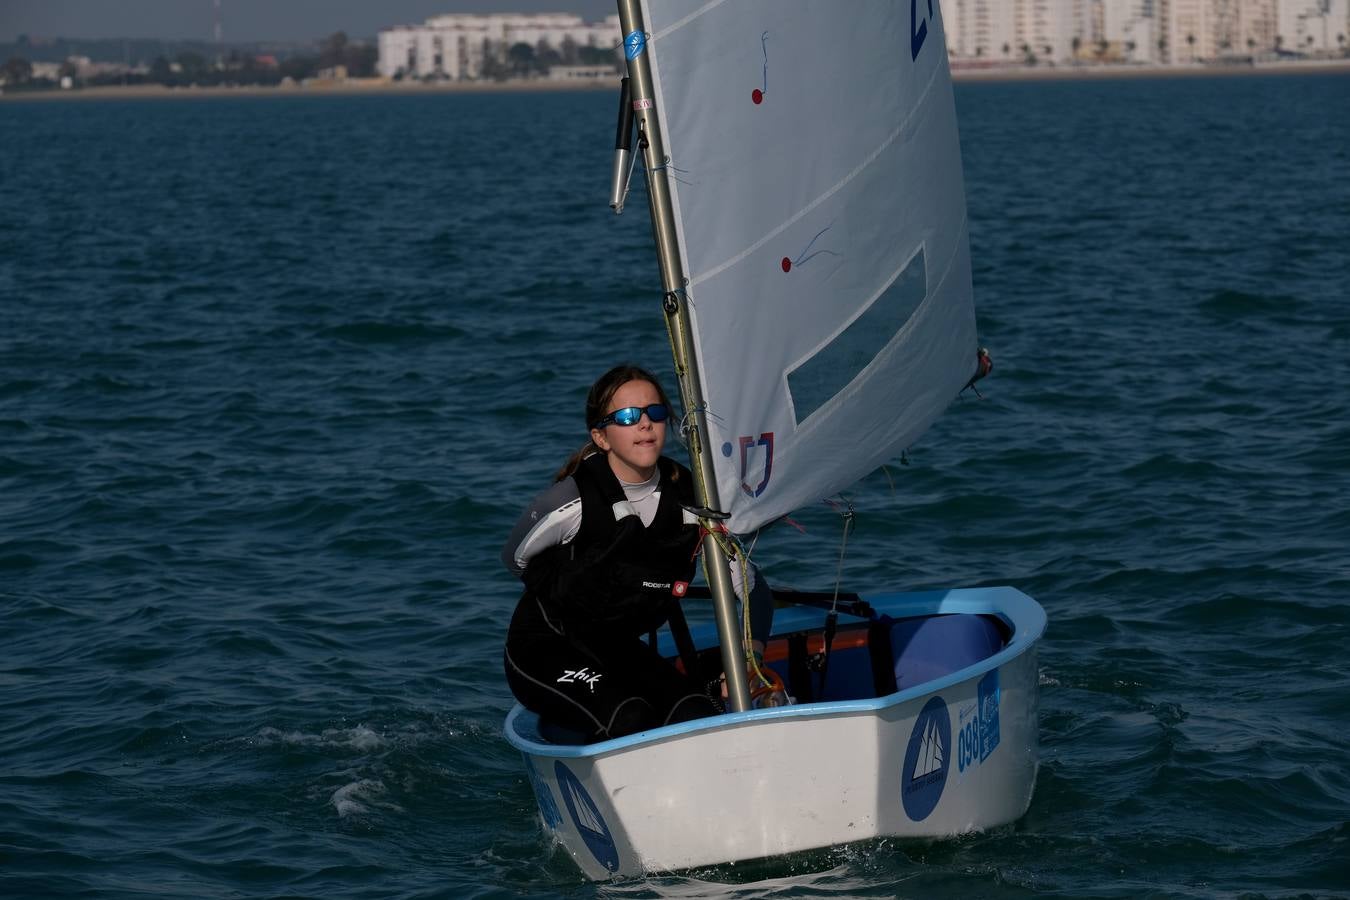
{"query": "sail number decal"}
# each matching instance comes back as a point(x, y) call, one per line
point(979, 733)
point(918, 28)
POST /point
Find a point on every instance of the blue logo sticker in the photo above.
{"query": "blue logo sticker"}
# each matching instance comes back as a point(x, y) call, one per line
point(926, 760)
point(633, 44)
point(979, 724)
point(988, 697)
point(548, 807)
point(586, 817)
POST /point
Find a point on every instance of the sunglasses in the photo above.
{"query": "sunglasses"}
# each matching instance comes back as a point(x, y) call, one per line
point(631, 415)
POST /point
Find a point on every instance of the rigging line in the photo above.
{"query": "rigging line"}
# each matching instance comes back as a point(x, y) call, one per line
point(843, 547)
point(836, 188)
point(741, 554)
point(628, 182)
point(674, 170)
point(832, 617)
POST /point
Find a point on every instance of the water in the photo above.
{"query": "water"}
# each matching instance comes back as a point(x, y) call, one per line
point(276, 376)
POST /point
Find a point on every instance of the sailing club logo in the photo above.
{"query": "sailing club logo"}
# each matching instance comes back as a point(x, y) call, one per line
point(927, 760)
point(586, 817)
point(754, 455)
point(548, 807)
point(634, 43)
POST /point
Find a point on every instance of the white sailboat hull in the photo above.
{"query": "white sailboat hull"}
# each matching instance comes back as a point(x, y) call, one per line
point(946, 757)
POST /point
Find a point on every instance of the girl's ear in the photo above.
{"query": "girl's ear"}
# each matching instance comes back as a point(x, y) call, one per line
point(598, 438)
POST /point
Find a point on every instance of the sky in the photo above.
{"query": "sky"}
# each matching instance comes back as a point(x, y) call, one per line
point(251, 20)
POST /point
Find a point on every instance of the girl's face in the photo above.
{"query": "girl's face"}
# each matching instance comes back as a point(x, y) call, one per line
point(632, 449)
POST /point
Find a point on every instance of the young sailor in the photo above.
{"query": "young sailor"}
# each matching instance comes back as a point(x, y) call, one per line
point(605, 554)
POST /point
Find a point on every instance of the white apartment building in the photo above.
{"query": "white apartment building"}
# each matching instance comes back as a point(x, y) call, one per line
point(1013, 31)
point(1174, 32)
point(1258, 26)
point(1191, 30)
point(1313, 26)
point(1130, 30)
point(980, 30)
point(453, 46)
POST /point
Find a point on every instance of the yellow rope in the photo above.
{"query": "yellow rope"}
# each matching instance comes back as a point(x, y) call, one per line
point(733, 549)
point(725, 540)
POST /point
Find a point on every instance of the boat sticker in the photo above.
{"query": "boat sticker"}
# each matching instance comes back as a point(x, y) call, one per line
point(633, 44)
point(927, 760)
point(988, 695)
point(548, 807)
point(586, 817)
point(644, 103)
point(748, 444)
point(978, 723)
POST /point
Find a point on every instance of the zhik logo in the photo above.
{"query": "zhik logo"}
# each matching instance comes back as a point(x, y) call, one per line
point(579, 676)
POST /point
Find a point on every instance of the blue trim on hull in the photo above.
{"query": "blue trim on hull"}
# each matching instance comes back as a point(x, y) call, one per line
point(1025, 614)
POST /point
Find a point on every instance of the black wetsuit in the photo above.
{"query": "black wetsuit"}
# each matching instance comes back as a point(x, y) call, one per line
point(574, 651)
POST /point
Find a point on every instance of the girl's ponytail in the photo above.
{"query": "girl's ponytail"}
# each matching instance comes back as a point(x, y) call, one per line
point(575, 460)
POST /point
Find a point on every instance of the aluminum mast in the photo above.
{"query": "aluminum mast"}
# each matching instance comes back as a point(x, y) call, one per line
point(715, 567)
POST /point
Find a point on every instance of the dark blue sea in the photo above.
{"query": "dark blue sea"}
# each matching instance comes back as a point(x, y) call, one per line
point(277, 375)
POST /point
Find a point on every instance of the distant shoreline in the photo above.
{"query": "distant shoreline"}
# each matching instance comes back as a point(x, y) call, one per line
point(350, 87)
point(358, 87)
point(1106, 72)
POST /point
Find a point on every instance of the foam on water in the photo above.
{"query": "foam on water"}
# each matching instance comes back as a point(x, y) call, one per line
point(359, 797)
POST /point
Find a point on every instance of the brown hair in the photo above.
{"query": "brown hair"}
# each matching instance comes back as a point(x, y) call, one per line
point(597, 402)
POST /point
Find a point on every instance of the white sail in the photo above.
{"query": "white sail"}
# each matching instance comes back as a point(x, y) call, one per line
point(819, 204)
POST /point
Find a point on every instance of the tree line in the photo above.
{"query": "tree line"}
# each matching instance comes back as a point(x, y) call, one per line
point(237, 66)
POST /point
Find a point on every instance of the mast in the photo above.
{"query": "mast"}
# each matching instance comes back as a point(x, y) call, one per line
point(652, 146)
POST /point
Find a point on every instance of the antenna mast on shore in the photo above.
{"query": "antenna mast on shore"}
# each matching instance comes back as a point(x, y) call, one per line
point(215, 31)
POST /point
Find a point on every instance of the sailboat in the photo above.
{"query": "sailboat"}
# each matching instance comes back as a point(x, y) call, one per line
point(805, 188)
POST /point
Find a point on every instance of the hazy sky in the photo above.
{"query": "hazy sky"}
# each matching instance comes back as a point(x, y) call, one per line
point(251, 20)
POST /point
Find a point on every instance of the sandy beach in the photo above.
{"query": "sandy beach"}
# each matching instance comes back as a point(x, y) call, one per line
point(315, 87)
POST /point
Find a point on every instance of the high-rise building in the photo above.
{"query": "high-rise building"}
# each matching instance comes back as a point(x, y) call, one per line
point(1312, 26)
point(980, 30)
point(1258, 28)
point(1130, 30)
point(1014, 30)
point(457, 47)
point(1175, 32)
point(1190, 30)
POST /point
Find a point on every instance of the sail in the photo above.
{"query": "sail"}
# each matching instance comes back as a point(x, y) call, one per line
point(816, 182)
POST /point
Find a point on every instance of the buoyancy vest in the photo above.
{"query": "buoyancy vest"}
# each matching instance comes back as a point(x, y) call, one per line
point(618, 575)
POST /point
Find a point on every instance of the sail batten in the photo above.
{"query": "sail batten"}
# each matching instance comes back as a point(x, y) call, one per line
point(809, 181)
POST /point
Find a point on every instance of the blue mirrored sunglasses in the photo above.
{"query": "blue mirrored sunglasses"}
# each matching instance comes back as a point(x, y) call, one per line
point(631, 415)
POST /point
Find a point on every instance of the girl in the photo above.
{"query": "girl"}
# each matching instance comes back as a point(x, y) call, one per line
point(605, 554)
